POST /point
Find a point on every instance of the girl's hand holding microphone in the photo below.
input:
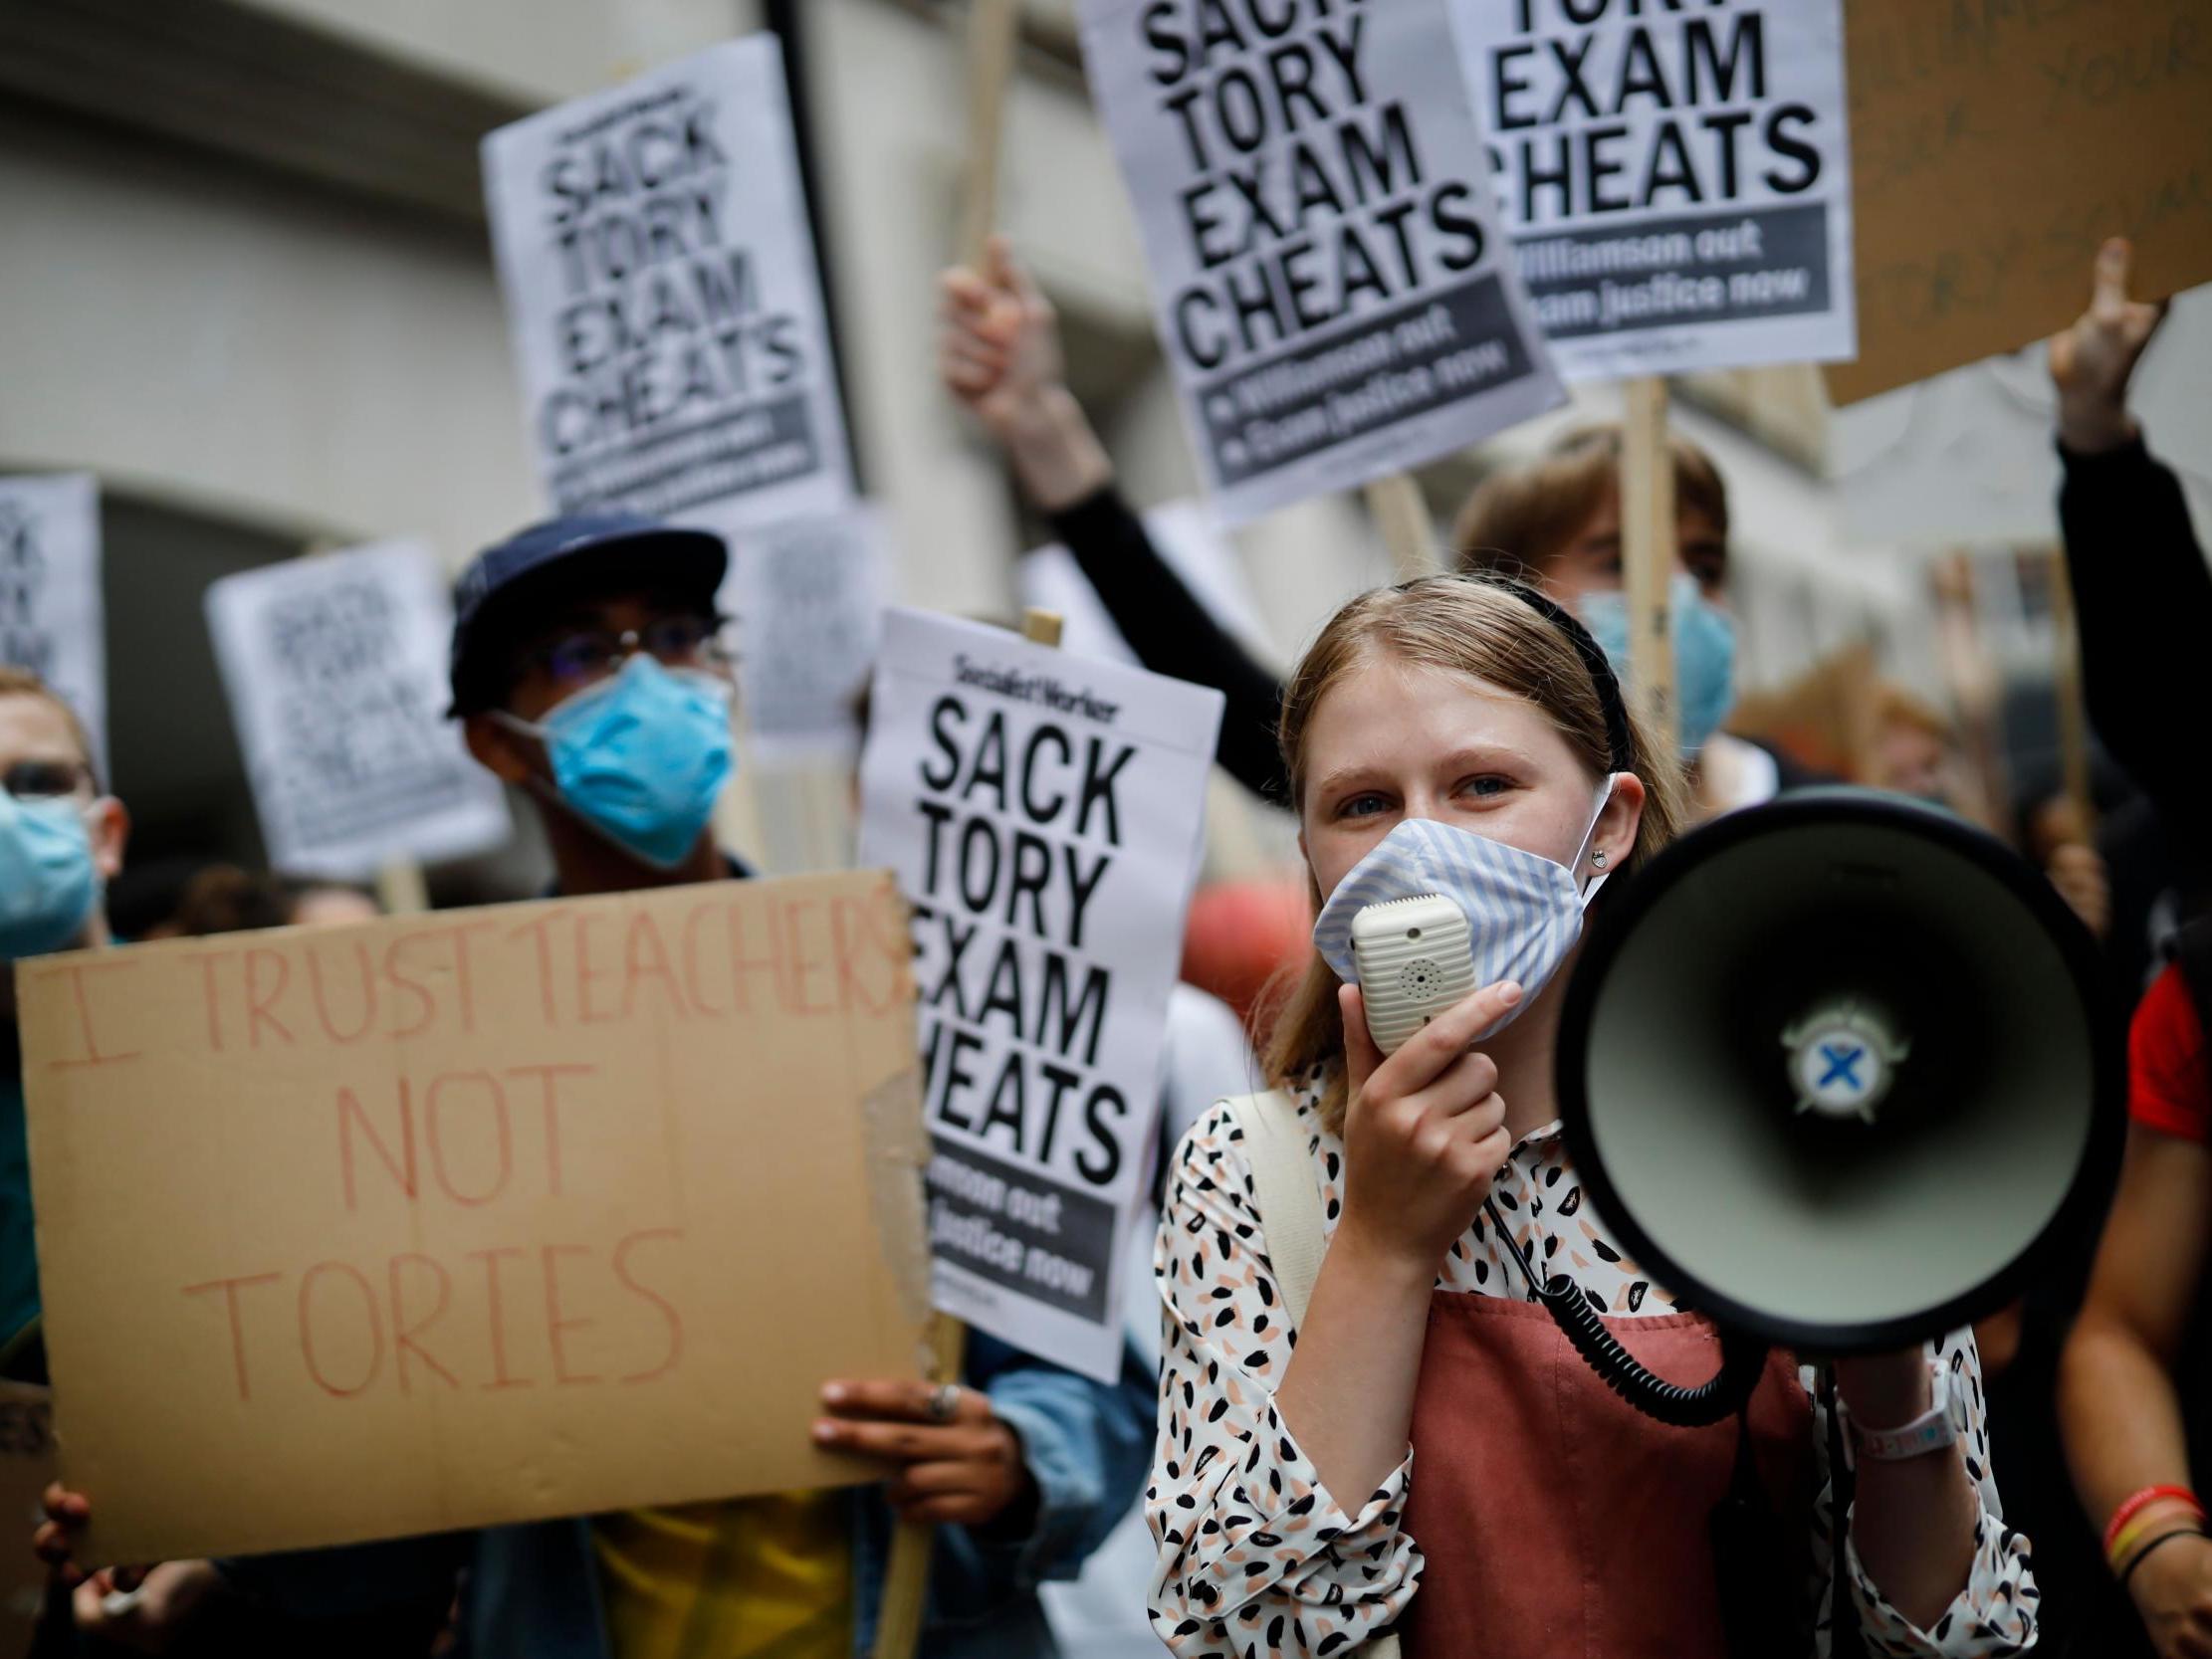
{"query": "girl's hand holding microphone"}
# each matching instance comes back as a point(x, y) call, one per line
point(1423, 1136)
point(1424, 1133)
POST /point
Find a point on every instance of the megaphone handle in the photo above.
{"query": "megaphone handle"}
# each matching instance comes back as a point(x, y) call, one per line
point(1742, 1359)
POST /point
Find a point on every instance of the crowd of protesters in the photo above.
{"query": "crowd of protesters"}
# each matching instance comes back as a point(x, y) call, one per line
point(1317, 1495)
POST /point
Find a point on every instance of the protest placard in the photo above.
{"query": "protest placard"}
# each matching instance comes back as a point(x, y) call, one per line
point(1043, 814)
point(1996, 148)
point(1332, 285)
point(1190, 541)
point(51, 619)
point(440, 1222)
point(1676, 178)
point(27, 1465)
point(336, 670)
point(661, 288)
point(808, 599)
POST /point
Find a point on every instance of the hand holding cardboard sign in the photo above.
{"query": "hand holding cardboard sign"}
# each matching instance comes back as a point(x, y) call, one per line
point(67, 1514)
point(966, 1469)
point(2093, 361)
point(150, 1619)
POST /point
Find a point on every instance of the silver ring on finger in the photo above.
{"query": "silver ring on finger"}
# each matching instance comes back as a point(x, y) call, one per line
point(944, 1402)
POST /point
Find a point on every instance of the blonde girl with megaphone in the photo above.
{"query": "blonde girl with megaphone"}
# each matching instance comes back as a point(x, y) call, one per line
point(1416, 1450)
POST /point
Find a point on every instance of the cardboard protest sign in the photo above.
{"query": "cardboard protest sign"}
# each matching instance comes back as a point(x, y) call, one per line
point(336, 669)
point(661, 286)
point(1995, 148)
point(1332, 286)
point(808, 599)
point(27, 1465)
point(1190, 541)
point(440, 1222)
point(51, 619)
point(1043, 814)
point(1676, 180)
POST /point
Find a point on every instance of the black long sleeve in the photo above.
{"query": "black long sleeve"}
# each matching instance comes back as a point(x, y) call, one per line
point(1172, 633)
point(2143, 602)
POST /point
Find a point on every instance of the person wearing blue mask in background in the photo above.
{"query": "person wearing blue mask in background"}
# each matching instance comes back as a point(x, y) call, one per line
point(1555, 523)
point(61, 843)
point(592, 669)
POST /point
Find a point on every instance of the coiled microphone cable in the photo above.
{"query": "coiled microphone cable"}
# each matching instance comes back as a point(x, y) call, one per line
point(1742, 1359)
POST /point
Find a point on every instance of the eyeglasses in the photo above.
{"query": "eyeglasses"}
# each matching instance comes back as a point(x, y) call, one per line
point(44, 781)
point(706, 643)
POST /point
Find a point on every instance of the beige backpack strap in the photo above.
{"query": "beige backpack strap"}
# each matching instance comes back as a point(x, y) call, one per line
point(1287, 1195)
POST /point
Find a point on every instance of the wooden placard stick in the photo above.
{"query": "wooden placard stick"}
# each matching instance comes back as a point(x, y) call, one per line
point(906, 1580)
point(993, 26)
point(1402, 513)
point(401, 888)
point(1973, 682)
point(1647, 557)
point(2066, 686)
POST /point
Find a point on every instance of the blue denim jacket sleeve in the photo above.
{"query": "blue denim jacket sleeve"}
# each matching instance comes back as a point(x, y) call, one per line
point(1088, 1446)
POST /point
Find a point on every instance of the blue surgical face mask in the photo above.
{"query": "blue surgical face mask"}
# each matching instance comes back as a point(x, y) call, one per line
point(1704, 654)
point(641, 757)
point(1523, 909)
point(48, 881)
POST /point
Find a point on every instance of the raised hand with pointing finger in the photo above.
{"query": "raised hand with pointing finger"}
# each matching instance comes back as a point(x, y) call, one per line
point(2093, 360)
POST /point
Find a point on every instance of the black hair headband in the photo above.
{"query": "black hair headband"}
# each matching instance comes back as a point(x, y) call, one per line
point(1593, 659)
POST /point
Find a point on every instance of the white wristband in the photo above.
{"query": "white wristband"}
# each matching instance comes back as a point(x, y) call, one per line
point(1931, 1431)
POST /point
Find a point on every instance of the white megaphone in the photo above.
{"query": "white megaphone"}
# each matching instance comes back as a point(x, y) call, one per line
point(1837, 1070)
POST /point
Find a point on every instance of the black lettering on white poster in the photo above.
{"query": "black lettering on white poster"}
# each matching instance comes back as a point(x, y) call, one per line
point(1331, 283)
point(1676, 176)
point(662, 292)
point(1044, 813)
point(53, 620)
point(336, 673)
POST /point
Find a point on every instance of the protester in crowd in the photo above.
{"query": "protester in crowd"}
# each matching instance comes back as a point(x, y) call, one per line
point(591, 668)
point(1555, 522)
point(184, 1608)
point(2142, 600)
point(2142, 595)
point(61, 842)
point(1912, 749)
point(2137, 1367)
point(1479, 721)
point(225, 899)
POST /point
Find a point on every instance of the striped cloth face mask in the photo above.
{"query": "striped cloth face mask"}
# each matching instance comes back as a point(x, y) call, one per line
point(1524, 911)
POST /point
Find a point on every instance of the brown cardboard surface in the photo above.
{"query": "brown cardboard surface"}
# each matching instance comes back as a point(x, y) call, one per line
point(441, 1221)
point(26, 1465)
point(1995, 143)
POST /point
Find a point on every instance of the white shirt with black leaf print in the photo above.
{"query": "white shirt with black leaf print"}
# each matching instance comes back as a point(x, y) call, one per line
point(1255, 1556)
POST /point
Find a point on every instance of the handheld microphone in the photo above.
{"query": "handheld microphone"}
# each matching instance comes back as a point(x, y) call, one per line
point(1416, 958)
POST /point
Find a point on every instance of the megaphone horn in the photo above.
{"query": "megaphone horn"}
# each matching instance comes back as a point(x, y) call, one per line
point(1839, 1070)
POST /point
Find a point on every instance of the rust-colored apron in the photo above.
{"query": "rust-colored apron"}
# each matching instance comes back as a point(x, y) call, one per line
point(1560, 1523)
